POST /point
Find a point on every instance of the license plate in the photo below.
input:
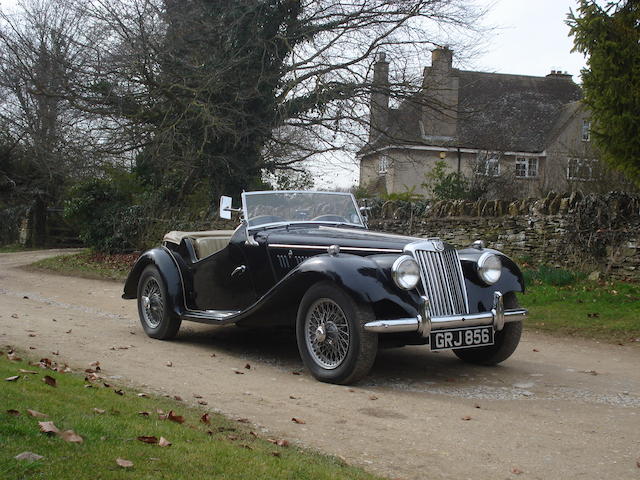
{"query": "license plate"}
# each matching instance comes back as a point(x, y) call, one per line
point(461, 338)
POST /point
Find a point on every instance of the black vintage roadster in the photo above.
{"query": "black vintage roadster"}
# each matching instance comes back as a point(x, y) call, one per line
point(307, 259)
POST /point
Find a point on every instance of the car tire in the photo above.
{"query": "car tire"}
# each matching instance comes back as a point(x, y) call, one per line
point(505, 342)
point(156, 316)
point(331, 338)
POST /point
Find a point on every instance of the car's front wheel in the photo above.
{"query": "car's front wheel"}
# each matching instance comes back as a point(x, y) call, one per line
point(331, 338)
point(156, 316)
point(505, 342)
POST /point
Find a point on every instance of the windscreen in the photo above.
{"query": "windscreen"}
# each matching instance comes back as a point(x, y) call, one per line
point(263, 208)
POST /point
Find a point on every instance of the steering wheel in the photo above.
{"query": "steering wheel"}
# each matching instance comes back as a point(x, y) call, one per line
point(265, 219)
point(330, 218)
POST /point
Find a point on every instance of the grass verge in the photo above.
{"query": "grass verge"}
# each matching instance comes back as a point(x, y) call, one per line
point(88, 264)
point(220, 449)
point(564, 302)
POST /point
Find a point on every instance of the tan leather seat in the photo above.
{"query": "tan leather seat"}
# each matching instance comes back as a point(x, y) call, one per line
point(205, 243)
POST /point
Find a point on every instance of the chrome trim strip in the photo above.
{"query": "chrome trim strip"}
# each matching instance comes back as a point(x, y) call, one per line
point(395, 325)
point(324, 247)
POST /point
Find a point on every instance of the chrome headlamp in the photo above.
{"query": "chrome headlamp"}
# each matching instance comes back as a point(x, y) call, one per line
point(405, 272)
point(489, 268)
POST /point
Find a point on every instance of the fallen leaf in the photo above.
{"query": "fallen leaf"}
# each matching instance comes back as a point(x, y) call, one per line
point(296, 373)
point(14, 315)
point(13, 357)
point(253, 434)
point(297, 420)
point(475, 405)
point(71, 436)
point(238, 372)
point(124, 463)
point(242, 420)
point(48, 427)
point(203, 402)
point(144, 414)
point(99, 411)
point(118, 392)
point(175, 418)
point(28, 456)
point(536, 350)
point(169, 364)
point(638, 464)
point(32, 372)
point(591, 372)
point(212, 355)
point(373, 397)
point(282, 443)
point(205, 419)
point(143, 395)
point(293, 397)
point(177, 398)
point(196, 395)
point(163, 442)
point(12, 379)
point(49, 380)
point(36, 414)
point(466, 418)
point(105, 384)
point(15, 413)
point(148, 439)
point(69, 331)
point(516, 471)
point(32, 334)
point(247, 366)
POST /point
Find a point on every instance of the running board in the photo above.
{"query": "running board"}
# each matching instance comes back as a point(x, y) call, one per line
point(216, 317)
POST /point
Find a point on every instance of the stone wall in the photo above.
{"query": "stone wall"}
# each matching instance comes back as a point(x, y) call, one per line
point(589, 233)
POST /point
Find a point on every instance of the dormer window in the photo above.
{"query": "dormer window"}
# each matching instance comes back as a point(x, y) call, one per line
point(586, 130)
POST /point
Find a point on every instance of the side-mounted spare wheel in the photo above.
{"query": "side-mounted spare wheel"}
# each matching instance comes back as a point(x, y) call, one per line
point(505, 342)
point(156, 316)
point(331, 339)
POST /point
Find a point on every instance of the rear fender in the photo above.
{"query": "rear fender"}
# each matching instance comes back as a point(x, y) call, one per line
point(166, 265)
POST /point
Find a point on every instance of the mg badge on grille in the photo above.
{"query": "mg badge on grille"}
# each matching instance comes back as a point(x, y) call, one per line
point(438, 245)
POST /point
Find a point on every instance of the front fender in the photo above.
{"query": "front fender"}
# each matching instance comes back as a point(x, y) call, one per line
point(366, 279)
point(166, 265)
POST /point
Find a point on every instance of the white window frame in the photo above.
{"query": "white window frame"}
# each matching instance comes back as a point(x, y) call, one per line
point(488, 164)
point(580, 165)
point(528, 162)
point(586, 130)
point(383, 165)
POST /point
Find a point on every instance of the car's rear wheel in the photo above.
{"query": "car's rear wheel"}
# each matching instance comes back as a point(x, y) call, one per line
point(156, 316)
point(505, 342)
point(331, 338)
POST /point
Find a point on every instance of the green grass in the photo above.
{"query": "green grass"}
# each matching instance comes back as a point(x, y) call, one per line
point(564, 302)
point(13, 248)
point(224, 449)
point(88, 264)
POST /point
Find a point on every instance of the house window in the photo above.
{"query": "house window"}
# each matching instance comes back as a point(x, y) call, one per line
point(526, 167)
point(489, 165)
point(383, 165)
point(580, 169)
point(586, 130)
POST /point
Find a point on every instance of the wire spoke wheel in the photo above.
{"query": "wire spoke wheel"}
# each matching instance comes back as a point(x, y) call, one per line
point(327, 333)
point(152, 303)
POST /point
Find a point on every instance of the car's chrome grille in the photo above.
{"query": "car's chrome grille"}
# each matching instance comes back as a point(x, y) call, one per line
point(443, 282)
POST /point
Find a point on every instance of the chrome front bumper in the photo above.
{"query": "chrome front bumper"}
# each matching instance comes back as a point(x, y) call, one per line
point(424, 324)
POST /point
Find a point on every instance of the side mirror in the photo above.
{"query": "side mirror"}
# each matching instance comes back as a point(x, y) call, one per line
point(225, 208)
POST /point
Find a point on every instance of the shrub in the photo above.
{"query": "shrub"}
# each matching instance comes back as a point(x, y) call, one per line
point(548, 275)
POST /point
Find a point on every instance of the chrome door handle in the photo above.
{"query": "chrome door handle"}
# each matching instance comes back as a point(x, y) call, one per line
point(239, 270)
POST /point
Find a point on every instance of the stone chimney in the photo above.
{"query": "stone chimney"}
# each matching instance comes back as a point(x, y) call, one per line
point(379, 107)
point(440, 87)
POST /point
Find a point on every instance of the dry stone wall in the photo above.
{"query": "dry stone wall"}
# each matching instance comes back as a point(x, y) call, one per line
point(590, 233)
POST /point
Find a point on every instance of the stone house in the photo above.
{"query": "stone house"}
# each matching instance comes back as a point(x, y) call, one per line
point(531, 132)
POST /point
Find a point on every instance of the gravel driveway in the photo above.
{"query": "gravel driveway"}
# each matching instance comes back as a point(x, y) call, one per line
point(559, 408)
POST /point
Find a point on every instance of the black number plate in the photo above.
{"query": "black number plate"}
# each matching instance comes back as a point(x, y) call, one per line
point(461, 338)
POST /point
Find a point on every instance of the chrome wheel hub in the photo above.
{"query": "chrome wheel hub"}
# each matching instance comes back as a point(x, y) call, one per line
point(152, 303)
point(327, 333)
